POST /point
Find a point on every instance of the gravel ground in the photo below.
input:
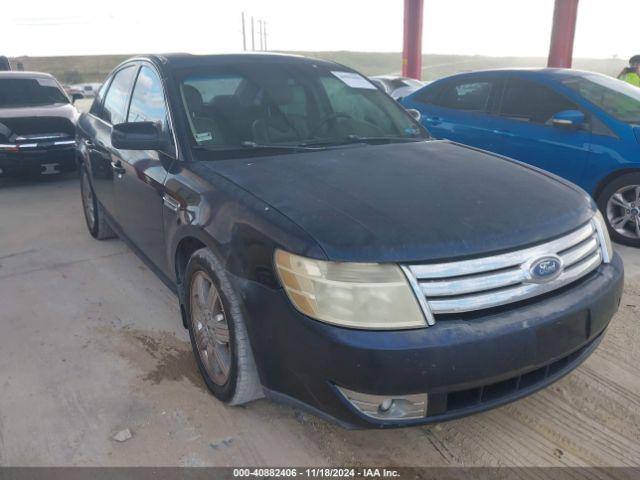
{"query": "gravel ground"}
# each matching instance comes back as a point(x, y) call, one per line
point(91, 345)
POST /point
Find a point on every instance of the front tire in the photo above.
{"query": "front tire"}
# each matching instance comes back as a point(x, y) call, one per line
point(619, 203)
point(93, 212)
point(218, 333)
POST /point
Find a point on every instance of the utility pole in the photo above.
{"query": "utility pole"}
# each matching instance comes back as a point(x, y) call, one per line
point(260, 34)
point(244, 35)
point(264, 28)
point(253, 36)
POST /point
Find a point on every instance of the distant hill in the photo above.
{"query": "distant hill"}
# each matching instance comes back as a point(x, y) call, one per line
point(94, 68)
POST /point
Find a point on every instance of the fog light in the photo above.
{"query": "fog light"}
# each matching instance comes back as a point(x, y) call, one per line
point(388, 407)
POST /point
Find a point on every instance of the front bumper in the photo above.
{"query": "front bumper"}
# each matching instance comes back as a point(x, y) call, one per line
point(465, 365)
point(38, 161)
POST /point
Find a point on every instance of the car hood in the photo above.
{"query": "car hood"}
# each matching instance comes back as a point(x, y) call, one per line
point(412, 202)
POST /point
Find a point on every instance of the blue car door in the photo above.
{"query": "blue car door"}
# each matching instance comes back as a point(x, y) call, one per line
point(523, 130)
point(459, 110)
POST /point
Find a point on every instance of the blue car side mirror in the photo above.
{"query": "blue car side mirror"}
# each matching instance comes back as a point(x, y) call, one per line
point(568, 118)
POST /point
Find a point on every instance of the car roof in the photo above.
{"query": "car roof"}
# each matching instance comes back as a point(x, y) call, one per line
point(22, 74)
point(186, 60)
point(552, 73)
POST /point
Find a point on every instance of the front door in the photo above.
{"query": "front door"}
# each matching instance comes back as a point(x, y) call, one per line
point(139, 187)
point(524, 131)
point(98, 144)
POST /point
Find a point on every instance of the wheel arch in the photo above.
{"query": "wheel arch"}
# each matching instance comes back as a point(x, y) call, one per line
point(185, 248)
point(610, 178)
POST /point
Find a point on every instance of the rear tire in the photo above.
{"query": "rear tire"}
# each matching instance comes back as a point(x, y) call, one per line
point(619, 203)
point(218, 333)
point(93, 211)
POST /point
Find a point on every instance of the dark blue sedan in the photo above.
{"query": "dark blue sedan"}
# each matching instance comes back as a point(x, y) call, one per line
point(582, 126)
point(327, 253)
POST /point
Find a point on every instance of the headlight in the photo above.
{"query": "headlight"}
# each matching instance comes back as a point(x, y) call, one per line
point(356, 295)
point(603, 236)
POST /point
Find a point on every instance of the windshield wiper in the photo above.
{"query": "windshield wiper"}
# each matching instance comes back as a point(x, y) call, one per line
point(275, 146)
point(351, 139)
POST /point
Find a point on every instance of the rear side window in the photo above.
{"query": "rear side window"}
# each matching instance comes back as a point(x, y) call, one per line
point(96, 106)
point(428, 95)
point(470, 96)
point(531, 102)
point(114, 110)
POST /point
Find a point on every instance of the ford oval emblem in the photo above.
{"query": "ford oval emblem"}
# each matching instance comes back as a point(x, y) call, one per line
point(545, 269)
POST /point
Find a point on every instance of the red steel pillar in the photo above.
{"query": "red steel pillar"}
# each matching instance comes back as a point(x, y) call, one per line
point(412, 40)
point(564, 29)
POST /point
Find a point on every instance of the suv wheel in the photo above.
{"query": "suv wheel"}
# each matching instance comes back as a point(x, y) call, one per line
point(218, 334)
point(93, 213)
point(619, 202)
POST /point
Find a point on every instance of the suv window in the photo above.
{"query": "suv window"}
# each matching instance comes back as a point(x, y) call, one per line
point(469, 95)
point(531, 102)
point(114, 110)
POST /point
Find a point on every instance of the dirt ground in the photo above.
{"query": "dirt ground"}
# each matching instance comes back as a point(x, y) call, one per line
point(91, 344)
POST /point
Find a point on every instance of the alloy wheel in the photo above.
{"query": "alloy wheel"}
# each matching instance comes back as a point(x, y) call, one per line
point(623, 211)
point(210, 328)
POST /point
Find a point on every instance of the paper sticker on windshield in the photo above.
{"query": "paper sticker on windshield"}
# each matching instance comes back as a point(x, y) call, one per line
point(203, 137)
point(47, 82)
point(354, 80)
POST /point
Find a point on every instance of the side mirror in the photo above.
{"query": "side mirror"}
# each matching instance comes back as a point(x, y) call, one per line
point(415, 114)
point(76, 96)
point(138, 136)
point(568, 119)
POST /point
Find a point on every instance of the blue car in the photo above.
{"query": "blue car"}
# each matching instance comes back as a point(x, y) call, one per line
point(582, 126)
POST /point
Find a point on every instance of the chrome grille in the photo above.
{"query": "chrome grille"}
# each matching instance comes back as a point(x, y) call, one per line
point(471, 285)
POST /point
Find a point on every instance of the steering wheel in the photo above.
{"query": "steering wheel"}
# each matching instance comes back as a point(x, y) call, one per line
point(326, 119)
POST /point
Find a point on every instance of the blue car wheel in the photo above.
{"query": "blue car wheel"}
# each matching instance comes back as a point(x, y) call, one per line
point(619, 203)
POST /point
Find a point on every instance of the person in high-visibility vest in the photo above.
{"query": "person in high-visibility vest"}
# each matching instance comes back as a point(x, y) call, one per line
point(631, 74)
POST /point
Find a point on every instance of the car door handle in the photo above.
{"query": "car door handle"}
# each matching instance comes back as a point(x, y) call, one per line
point(117, 167)
point(433, 120)
point(171, 203)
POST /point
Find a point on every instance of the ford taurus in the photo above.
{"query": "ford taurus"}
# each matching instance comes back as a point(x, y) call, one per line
point(326, 252)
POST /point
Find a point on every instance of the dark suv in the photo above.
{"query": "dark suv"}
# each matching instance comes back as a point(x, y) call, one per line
point(327, 253)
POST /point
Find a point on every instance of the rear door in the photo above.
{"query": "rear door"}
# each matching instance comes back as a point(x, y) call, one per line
point(98, 131)
point(524, 131)
point(461, 111)
point(139, 188)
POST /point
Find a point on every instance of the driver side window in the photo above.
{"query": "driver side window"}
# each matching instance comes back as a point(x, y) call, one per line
point(148, 102)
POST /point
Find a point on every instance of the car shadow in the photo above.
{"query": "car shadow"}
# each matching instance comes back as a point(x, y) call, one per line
point(36, 180)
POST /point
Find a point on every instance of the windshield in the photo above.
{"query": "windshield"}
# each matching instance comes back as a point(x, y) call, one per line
point(286, 105)
point(615, 97)
point(28, 92)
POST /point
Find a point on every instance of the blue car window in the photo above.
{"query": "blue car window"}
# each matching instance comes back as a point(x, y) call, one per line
point(531, 102)
point(616, 98)
point(472, 96)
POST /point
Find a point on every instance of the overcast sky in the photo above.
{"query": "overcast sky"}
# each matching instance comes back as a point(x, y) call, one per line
point(484, 27)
